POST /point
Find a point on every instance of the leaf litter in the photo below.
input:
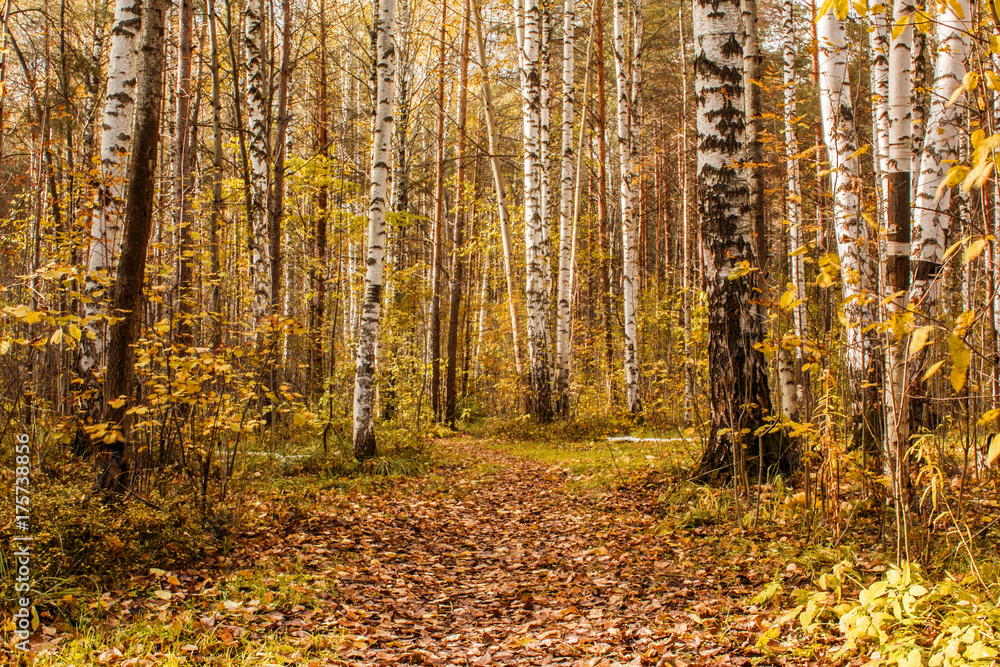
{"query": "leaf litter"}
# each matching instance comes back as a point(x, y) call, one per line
point(492, 559)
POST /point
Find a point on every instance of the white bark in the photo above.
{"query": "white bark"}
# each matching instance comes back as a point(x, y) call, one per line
point(257, 102)
point(897, 257)
point(941, 145)
point(626, 152)
point(792, 400)
point(879, 42)
point(116, 136)
point(566, 192)
point(364, 422)
point(534, 230)
point(857, 269)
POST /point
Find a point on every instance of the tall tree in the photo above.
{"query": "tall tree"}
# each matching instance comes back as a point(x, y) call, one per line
point(739, 397)
point(540, 404)
point(106, 224)
point(257, 115)
point(364, 378)
point(897, 262)
point(139, 198)
point(438, 225)
point(566, 183)
point(461, 202)
point(853, 236)
point(627, 154)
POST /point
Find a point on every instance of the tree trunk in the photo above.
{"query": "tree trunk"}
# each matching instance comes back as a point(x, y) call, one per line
point(739, 395)
point(627, 154)
point(853, 245)
point(793, 207)
point(106, 225)
point(438, 232)
point(602, 206)
point(139, 198)
point(257, 113)
point(214, 301)
point(457, 251)
point(897, 265)
point(364, 381)
point(563, 303)
point(540, 404)
point(183, 178)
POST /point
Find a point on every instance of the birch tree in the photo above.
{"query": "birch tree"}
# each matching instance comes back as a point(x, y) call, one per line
point(897, 260)
point(563, 304)
point(371, 308)
point(257, 113)
point(856, 266)
point(534, 230)
point(931, 210)
point(116, 137)
point(626, 154)
point(739, 398)
point(140, 186)
point(793, 207)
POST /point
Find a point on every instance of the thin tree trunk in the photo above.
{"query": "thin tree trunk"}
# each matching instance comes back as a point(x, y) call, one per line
point(277, 196)
point(458, 260)
point(364, 380)
point(540, 404)
point(438, 232)
point(602, 207)
point(182, 172)
point(897, 266)
point(566, 217)
point(318, 272)
point(626, 152)
point(257, 112)
point(214, 301)
point(139, 195)
point(855, 250)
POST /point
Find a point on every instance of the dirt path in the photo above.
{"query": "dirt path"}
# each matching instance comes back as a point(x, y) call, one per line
point(494, 561)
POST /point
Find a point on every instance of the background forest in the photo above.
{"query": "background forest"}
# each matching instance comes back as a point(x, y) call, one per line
point(308, 235)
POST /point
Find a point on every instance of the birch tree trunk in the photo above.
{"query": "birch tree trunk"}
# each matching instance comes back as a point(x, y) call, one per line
point(793, 207)
point(540, 404)
point(856, 266)
point(626, 152)
point(438, 223)
point(897, 263)
point(932, 217)
point(364, 380)
point(116, 137)
point(113, 472)
point(257, 108)
point(182, 168)
point(566, 192)
point(457, 262)
point(739, 395)
point(215, 293)
point(879, 76)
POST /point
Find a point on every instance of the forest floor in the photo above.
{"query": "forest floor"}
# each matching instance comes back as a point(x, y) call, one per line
point(488, 558)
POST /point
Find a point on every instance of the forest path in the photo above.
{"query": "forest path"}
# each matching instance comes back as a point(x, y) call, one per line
point(493, 559)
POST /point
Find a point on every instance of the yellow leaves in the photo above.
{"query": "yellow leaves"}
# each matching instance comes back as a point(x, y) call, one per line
point(992, 80)
point(56, 337)
point(788, 300)
point(741, 269)
point(24, 313)
point(913, 659)
point(932, 370)
point(974, 250)
point(993, 453)
point(840, 8)
point(959, 353)
point(919, 340)
point(829, 270)
point(901, 25)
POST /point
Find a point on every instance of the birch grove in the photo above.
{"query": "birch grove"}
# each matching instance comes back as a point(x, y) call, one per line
point(326, 220)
